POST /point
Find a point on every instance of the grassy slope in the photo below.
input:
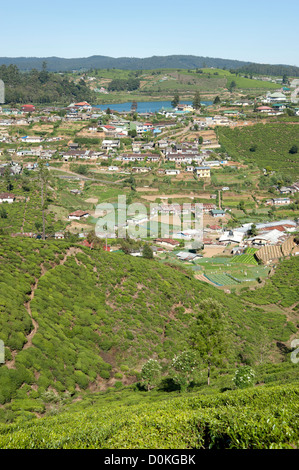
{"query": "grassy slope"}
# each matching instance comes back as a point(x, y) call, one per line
point(183, 81)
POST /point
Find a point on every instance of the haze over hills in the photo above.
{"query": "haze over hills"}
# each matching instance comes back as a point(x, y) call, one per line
point(58, 64)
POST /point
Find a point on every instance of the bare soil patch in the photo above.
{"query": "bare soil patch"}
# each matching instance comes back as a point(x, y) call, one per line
point(210, 251)
point(76, 226)
point(92, 200)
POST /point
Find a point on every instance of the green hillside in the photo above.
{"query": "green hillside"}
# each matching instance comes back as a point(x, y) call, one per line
point(159, 83)
point(77, 323)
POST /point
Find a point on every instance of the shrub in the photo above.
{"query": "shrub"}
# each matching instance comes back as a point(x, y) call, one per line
point(105, 374)
point(118, 385)
point(150, 373)
point(244, 377)
point(185, 366)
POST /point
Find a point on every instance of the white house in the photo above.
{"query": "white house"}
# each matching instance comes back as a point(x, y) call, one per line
point(275, 97)
point(32, 139)
point(172, 172)
point(139, 169)
point(59, 235)
point(231, 236)
point(189, 169)
point(110, 144)
point(78, 215)
point(7, 197)
point(280, 201)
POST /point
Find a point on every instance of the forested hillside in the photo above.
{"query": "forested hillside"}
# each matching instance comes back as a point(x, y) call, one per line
point(59, 64)
point(267, 69)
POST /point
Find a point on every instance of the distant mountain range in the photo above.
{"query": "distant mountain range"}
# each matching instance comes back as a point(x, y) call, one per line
point(58, 64)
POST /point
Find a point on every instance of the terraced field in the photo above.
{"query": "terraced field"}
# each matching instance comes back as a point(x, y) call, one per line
point(222, 279)
point(245, 259)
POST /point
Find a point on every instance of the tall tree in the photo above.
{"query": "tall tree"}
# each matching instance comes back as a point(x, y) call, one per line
point(285, 79)
point(253, 231)
point(44, 75)
point(7, 177)
point(209, 337)
point(196, 101)
point(176, 100)
point(232, 86)
point(147, 252)
point(185, 365)
point(150, 373)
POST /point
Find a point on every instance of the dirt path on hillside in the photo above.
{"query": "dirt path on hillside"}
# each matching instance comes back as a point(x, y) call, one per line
point(28, 308)
point(29, 338)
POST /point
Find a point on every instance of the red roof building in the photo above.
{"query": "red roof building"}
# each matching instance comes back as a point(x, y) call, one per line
point(82, 104)
point(78, 214)
point(28, 108)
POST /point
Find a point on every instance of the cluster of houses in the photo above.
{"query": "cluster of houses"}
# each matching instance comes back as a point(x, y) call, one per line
point(294, 188)
point(13, 167)
point(276, 103)
point(278, 201)
point(270, 233)
point(212, 121)
point(158, 151)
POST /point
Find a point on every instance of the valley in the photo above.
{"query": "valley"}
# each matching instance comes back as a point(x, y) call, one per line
point(149, 261)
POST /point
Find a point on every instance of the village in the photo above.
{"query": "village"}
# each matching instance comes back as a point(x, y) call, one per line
point(149, 229)
point(174, 162)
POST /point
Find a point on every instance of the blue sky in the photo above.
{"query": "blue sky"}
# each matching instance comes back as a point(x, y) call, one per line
point(264, 31)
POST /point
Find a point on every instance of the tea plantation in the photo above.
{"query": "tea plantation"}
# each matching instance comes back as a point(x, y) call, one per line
point(266, 145)
point(264, 418)
point(78, 326)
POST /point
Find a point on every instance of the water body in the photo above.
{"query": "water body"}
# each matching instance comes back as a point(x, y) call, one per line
point(144, 106)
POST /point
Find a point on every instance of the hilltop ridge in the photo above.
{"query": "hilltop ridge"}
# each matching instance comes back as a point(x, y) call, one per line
point(60, 64)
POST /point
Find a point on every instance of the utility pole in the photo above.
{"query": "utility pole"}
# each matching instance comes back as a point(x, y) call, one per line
point(43, 176)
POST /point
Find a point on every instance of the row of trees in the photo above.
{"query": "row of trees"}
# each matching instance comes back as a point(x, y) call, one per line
point(185, 368)
point(196, 103)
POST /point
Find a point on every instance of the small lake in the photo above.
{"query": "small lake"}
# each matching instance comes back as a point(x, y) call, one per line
point(144, 106)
